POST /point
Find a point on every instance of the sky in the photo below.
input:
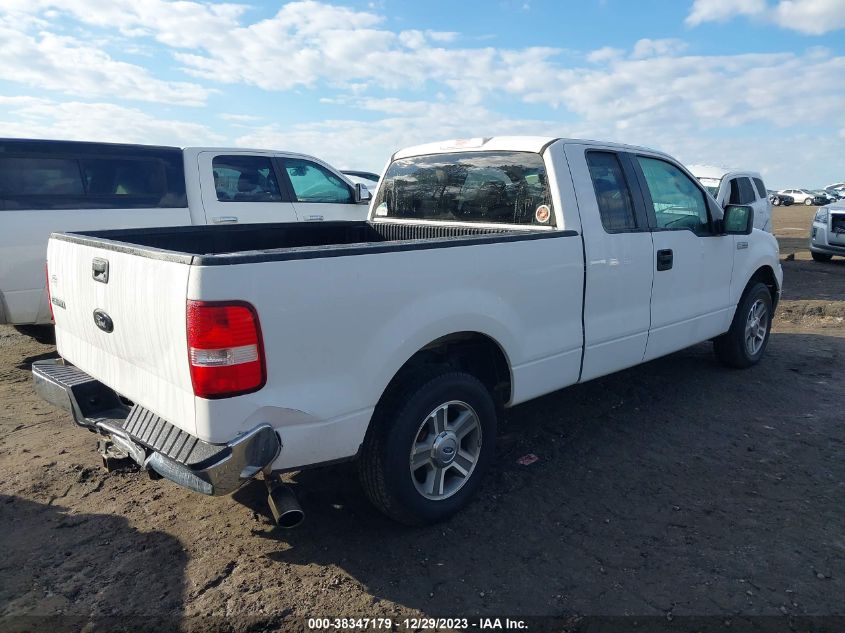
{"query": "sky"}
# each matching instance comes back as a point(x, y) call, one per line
point(752, 84)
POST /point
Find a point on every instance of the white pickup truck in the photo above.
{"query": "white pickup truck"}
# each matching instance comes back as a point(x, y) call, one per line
point(48, 186)
point(490, 272)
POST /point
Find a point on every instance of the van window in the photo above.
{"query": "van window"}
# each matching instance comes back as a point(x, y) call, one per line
point(123, 177)
point(21, 176)
point(761, 188)
point(44, 174)
point(499, 187)
point(616, 208)
point(245, 179)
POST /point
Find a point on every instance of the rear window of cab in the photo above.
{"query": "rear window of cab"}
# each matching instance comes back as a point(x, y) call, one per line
point(485, 187)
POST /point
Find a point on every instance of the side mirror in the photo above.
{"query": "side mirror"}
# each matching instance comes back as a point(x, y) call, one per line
point(362, 194)
point(738, 220)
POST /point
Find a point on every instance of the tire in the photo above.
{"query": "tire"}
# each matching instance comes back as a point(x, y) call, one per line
point(408, 419)
point(733, 348)
point(821, 257)
point(808, 202)
point(776, 202)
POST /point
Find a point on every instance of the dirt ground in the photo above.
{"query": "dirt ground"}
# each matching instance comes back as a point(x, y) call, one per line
point(675, 488)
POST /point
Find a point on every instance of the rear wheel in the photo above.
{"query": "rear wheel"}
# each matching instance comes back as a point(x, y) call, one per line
point(808, 202)
point(429, 444)
point(821, 257)
point(744, 343)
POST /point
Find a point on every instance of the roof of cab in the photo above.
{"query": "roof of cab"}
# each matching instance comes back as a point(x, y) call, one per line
point(534, 144)
point(717, 173)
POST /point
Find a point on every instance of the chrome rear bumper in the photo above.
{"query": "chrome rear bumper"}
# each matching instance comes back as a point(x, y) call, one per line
point(154, 443)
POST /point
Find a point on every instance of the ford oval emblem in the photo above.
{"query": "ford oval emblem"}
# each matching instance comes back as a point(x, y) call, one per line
point(103, 321)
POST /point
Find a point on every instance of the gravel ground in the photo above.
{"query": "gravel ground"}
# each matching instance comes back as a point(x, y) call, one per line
point(671, 489)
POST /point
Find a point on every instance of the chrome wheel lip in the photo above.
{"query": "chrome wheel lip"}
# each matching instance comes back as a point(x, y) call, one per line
point(453, 424)
point(756, 327)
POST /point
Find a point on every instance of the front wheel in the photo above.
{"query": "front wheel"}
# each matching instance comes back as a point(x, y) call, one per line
point(429, 444)
point(744, 343)
point(776, 202)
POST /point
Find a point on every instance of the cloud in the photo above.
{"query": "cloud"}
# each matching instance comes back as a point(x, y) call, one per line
point(32, 117)
point(66, 65)
point(239, 118)
point(721, 10)
point(657, 48)
point(405, 86)
point(811, 17)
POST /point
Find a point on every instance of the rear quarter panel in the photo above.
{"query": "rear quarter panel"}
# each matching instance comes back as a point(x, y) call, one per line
point(337, 329)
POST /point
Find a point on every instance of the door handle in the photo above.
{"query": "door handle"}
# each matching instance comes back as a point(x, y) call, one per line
point(313, 218)
point(225, 219)
point(664, 259)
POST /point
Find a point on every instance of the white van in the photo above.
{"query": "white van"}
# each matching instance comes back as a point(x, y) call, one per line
point(737, 187)
point(50, 186)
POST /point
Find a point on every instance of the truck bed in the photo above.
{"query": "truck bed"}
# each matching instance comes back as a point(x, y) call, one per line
point(249, 243)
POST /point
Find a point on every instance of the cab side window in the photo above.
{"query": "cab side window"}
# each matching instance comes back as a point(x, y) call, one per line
point(678, 203)
point(746, 191)
point(314, 183)
point(245, 179)
point(616, 207)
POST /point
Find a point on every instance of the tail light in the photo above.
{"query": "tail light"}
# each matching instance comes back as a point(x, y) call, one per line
point(49, 296)
point(225, 351)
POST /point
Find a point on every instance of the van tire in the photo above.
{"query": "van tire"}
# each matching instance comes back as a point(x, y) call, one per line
point(399, 421)
point(734, 349)
point(820, 257)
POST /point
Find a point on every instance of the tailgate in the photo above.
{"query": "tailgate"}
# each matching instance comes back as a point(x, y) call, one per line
point(144, 357)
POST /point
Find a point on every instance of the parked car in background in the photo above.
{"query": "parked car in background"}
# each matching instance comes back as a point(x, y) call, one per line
point(737, 187)
point(827, 234)
point(778, 199)
point(367, 178)
point(836, 185)
point(491, 272)
point(805, 196)
point(838, 194)
point(48, 186)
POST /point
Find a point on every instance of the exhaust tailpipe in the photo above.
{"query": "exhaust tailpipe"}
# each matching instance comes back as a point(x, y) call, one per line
point(283, 504)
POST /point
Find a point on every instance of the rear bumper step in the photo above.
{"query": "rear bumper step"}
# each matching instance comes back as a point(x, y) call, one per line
point(154, 443)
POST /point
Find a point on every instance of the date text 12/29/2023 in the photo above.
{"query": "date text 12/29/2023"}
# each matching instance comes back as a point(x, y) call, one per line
point(363, 624)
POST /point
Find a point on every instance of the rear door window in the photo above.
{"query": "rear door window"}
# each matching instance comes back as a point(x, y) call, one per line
point(616, 207)
point(761, 188)
point(498, 187)
point(242, 178)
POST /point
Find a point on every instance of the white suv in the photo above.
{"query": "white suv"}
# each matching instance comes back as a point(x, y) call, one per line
point(801, 196)
point(737, 187)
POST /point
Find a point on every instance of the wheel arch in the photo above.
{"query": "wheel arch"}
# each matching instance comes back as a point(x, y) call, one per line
point(474, 352)
point(765, 275)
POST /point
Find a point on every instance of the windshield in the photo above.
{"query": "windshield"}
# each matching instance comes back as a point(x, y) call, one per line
point(493, 187)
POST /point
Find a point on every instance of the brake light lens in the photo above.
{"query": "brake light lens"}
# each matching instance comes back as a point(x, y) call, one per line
point(225, 351)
